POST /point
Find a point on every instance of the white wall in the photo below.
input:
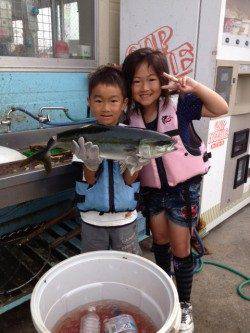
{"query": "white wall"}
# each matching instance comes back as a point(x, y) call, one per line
point(217, 145)
point(108, 36)
point(168, 25)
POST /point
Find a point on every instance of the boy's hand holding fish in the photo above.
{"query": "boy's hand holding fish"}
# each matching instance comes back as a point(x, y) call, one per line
point(88, 153)
point(135, 163)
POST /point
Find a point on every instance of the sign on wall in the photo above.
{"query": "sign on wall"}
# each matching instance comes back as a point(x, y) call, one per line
point(170, 26)
point(180, 59)
point(218, 134)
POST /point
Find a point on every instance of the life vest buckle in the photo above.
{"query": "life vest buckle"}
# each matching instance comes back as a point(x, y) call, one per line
point(206, 156)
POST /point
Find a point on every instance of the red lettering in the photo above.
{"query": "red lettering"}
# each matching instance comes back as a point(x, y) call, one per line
point(157, 39)
point(180, 59)
point(132, 48)
point(218, 135)
point(217, 144)
point(220, 125)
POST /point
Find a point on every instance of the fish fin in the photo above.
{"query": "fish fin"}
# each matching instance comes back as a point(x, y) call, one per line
point(43, 156)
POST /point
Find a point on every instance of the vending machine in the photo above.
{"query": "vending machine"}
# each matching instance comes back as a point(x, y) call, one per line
point(209, 41)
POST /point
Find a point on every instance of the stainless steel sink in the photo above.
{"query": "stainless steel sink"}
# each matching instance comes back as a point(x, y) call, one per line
point(22, 140)
point(29, 185)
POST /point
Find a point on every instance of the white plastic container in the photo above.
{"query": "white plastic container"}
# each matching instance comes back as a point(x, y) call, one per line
point(102, 275)
point(8, 155)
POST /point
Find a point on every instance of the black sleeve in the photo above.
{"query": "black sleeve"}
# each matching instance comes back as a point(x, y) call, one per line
point(189, 105)
point(78, 170)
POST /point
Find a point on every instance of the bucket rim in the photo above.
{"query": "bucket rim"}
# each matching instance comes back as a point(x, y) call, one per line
point(93, 255)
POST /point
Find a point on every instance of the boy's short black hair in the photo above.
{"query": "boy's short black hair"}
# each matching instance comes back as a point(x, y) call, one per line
point(109, 75)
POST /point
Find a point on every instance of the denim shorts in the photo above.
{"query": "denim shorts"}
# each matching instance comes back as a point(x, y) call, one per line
point(181, 205)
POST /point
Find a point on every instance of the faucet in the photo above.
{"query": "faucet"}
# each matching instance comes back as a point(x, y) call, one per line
point(7, 120)
point(45, 118)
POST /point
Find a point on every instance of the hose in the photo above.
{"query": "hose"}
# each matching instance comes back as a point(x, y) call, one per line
point(73, 121)
point(63, 124)
point(200, 265)
point(25, 111)
point(71, 118)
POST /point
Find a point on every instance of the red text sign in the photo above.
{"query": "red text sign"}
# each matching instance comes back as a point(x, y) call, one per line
point(220, 133)
point(180, 59)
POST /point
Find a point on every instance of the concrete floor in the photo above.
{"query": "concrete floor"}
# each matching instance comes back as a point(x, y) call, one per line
point(217, 307)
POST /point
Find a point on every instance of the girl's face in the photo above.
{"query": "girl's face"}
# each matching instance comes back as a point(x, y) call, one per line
point(107, 104)
point(146, 86)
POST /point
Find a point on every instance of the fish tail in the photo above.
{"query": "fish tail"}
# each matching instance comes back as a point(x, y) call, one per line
point(43, 155)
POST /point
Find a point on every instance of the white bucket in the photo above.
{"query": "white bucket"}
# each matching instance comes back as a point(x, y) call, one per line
point(104, 275)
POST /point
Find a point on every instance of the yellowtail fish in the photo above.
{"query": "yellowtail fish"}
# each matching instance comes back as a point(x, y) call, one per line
point(114, 142)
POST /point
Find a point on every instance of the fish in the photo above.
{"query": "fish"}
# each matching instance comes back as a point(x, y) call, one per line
point(114, 142)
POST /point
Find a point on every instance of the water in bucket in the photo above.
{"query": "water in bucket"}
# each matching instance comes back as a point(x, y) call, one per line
point(106, 311)
point(90, 323)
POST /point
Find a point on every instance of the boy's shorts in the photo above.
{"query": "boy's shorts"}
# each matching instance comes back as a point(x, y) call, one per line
point(174, 203)
point(120, 238)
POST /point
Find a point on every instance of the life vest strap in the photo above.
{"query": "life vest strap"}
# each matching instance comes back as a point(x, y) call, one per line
point(173, 132)
point(206, 156)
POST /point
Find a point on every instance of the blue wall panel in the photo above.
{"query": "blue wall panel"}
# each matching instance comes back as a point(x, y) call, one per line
point(35, 90)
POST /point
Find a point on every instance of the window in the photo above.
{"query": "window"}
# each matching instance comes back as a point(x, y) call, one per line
point(241, 172)
point(223, 81)
point(17, 32)
point(240, 142)
point(44, 33)
point(47, 29)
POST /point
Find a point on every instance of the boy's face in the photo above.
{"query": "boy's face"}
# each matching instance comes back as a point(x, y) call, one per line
point(107, 104)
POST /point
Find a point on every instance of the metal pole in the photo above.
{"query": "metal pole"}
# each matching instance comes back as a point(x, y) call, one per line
point(54, 24)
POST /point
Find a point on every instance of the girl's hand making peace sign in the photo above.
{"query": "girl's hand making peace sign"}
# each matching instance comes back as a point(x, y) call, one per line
point(213, 104)
point(183, 84)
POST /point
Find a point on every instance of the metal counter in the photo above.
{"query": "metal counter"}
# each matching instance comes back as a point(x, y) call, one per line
point(34, 184)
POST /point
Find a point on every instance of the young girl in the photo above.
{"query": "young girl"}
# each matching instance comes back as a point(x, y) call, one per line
point(171, 184)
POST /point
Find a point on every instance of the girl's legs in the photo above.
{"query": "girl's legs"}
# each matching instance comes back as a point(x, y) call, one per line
point(183, 260)
point(183, 268)
point(165, 233)
point(161, 246)
point(183, 211)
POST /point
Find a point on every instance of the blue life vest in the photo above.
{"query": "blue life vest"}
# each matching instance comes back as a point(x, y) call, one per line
point(109, 193)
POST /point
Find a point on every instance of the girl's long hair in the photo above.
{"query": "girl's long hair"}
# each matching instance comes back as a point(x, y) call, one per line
point(154, 58)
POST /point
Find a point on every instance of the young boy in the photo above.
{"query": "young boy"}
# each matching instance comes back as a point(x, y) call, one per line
point(112, 229)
